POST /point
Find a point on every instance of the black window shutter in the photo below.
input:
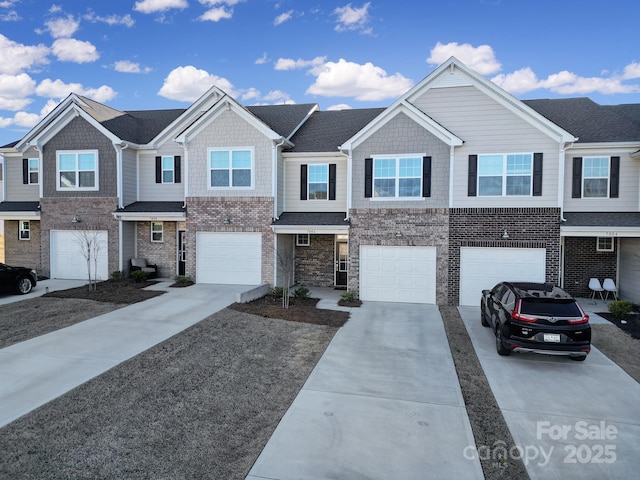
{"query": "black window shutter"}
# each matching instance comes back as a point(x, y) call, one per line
point(158, 169)
point(473, 176)
point(25, 171)
point(537, 174)
point(332, 181)
point(368, 177)
point(576, 185)
point(426, 176)
point(176, 169)
point(615, 177)
point(303, 182)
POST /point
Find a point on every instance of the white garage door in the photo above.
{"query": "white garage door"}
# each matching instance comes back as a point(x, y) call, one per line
point(69, 254)
point(398, 274)
point(482, 268)
point(229, 258)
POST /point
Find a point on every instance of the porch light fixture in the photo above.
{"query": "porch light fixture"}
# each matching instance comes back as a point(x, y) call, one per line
point(226, 221)
point(505, 235)
point(398, 234)
point(75, 219)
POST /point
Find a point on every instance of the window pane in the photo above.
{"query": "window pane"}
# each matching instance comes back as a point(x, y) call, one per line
point(595, 187)
point(241, 178)
point(156, 227)
point(596, 167)
point(241, 158)
point(490, 165)
point(67, 179)
point(410, 167)
point(384, 187)
point(219, 178)
point(219, 159)
point(33, 164)
point(33, 177)
point(167, 163)
point(67, 161)
point(87, 179)
point(519, 185)
point(519, 164)
point(384, 168)
point(490, 186)
point(86, 161)
point(409, 187)
point(318, 173)
point(317, 191)
point(167, 176)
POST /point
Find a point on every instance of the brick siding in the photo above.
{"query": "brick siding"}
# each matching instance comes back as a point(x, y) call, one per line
point(314, 265)
point(22, 253)
point(163, 254)
point(582, 261)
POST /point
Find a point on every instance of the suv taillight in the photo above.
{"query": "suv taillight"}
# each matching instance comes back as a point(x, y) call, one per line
point(583, 319)
point(521, 317)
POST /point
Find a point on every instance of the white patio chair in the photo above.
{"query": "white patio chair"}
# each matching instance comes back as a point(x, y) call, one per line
point(595, 286)
point(610, 287)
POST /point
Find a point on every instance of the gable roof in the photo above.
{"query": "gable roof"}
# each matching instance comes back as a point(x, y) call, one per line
point(590, 121)
point(325, 131)
point(283, 119)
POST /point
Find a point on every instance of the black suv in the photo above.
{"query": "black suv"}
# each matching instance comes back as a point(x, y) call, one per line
point(536, 317)
point(17, 279)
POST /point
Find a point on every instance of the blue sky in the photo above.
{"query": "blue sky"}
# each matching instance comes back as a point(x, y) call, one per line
point(153, 54)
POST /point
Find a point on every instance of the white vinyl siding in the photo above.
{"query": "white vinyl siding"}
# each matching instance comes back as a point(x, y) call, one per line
point(129, 176)
point(292, 186)
point(150, 191)
point(628, 284)
point(485, 126)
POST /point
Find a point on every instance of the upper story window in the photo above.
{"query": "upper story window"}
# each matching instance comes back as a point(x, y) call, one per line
point(168, 169)
point(30, 171)
point(318, 182)
point(505, 174)
point(397, 177)
point(157, 232)
point(595, 177)
point(231, 168)
point(77, 170)
point(24, 230)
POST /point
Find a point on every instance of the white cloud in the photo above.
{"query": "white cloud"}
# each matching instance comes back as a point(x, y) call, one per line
point(24, 119)
point(520, 81)
point(111, 20)
point(283, 17)
point(7, 3)
point(262, 60)
point(251, 94)
point(363, 82)
point(126, 66)
point(291, 64)
point(481, 58)
point(62, 27)
point(631, 71)
point(57, 89)
point(278, 97)
point(216, 14)
point(350, 18)
point(76, 51)
point(10, 16)
point(187, 84)
point(339, 106)
point(153, 6)
point(15, 90)
point(16, 57)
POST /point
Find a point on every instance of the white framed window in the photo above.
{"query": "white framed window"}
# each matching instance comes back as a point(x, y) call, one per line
point(604, 244)
point(24, 230)
point(77, 170)
point(318, 182)
point(231, 168)
point(157, 232)
point(595, 177)
point(168, 169)
point(397, 177)
point(303, 239)
point(501, 175)
point(33, 173)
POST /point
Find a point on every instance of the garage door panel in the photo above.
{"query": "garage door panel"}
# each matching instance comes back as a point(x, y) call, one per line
point(482, 268)
point(68, 260)
point(397, 274)
point(229, 258)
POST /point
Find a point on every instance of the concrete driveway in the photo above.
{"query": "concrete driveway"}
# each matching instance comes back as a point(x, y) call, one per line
point(42, 287)
point(383, 402)
point(571, 420)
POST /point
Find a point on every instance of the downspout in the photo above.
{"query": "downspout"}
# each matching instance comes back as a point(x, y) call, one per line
point(274, 192)
point(349, 180)
point(185, 173)
point(119, 148)
point(561, 172)
point(4, 175)
point(451, 165)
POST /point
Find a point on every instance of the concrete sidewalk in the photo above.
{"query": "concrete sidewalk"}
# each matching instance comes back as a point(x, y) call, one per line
point(41, 369)
point(383, 402)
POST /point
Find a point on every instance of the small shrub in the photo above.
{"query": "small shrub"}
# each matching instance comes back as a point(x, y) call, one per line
point(348, 296)
point(301, 293)
point(276, 291)
point(620, 308)
point(182, 279)
point(117, 275)
point(139, 276)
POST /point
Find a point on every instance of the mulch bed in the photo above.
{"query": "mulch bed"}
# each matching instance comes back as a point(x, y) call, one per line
point(300, 310)
point(629, 324)
point(110, 291)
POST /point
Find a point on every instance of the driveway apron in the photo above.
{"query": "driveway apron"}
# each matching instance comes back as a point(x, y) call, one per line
point(571, 420)
point(383, 402)
point(41, 369)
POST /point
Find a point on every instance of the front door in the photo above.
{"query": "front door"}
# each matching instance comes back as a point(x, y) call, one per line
point(342, 254)
point(182, 253)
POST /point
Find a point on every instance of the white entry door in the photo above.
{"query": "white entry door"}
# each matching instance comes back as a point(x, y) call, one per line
point(69, 250)
point(398, 274)
point(229, 258)
point(483, 268)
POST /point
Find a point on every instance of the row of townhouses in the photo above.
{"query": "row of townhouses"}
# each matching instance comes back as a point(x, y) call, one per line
point(453, 187)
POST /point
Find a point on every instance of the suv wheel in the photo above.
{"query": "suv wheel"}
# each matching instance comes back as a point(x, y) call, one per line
point(483, 318)
point(24, 285)
point(578, 358)
point(501, 349)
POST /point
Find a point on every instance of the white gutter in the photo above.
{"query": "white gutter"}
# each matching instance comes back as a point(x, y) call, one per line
point(274, 177)
point(562, 150)
point(119, 148)
point(451, 166)
point(185, 172)
point(349, 179)
point(4, 175)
